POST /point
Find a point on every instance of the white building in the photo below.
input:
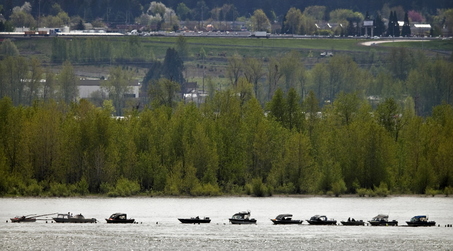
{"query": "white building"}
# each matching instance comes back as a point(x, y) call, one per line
point(89, 86)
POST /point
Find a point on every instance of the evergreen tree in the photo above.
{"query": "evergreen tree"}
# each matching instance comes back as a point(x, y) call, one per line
point(391, 25)
point(173, 66)
point(379, 24)
point(406, 32)
point(80, 25)
point(397, 25)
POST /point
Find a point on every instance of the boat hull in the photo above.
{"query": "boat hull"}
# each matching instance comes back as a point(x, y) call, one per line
point(353, 223)
point(421, 224)
point(18, 220)
point(328, 222)
point(58, 220)
point(286, 222)
point(120, 221)
point(194, 221)
point(384, 223)
point(242, 221)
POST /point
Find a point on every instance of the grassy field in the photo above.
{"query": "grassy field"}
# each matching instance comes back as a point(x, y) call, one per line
point(219, 49)
point(250, 47)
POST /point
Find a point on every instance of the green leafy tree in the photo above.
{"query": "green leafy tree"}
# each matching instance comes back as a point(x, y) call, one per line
point(293, 20)
point(163, 92)
point(117, 85)
point(253, 71)
point(8, 48)
point(68, 83)
point(277, 107)
point(34, 83)
point(183, 11)
point(182, 47)
point(234, 68)
point(273, 76)
point(260, 22)
point(15, 73)
point(316, 11)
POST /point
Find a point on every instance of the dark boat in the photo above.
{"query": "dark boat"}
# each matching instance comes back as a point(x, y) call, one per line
point(119, 218)
point(285, 219)
point(242, 218)
point(321, 220)
point(195, 220)
point(382, 220)
point(353, 222)
point(68, 218)
point(28, 218)
point(25, 218)
point(420, 221)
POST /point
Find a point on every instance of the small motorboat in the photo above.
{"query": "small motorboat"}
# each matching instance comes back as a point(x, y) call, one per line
point(353, 222)
point(25, 218)
point(382, 220)
point(242, 218)
point(195, 220)
point(28, 218)
point(69, 218)
point(119, 218)
point(420, 221)
point(285, 219)
point(321, 220)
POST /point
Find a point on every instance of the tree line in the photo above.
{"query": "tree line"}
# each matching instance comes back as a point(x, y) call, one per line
point(228, 145)
point(401, 73)
point(293, 17)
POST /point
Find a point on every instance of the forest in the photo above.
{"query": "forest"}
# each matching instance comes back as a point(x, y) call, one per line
point(229, 145)
point(52, 144)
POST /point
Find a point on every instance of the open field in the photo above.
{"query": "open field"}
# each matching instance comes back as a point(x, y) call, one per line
point(218, 49)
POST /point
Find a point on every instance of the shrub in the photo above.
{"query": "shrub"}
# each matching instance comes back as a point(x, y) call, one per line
point(33, 189)
point(370, 192)
point(82, 187)
point(361, 192)
point(59, 190)
point(286, 188)
point(124, 188)
point(339, 187)
point(259, 189)
point(448, 191)
point(432, 192)
point(206, 190)
point(382, 190)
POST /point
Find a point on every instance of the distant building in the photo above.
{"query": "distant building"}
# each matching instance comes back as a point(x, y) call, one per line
point(420, 29)
point(89, 86)
point(190, 93)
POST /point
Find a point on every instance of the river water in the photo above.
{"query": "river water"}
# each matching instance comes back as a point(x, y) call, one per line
point(159, 229)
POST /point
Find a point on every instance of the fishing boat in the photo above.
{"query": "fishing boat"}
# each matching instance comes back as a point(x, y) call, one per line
point(420, 221)
point(119, 218)
point(321, 220)
point(285, 219)
point(382, 220)
point(195, 220)
point(353, 222)
point(69, 218)
point(242, 218)
point(28, 218)
point(25, 218)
